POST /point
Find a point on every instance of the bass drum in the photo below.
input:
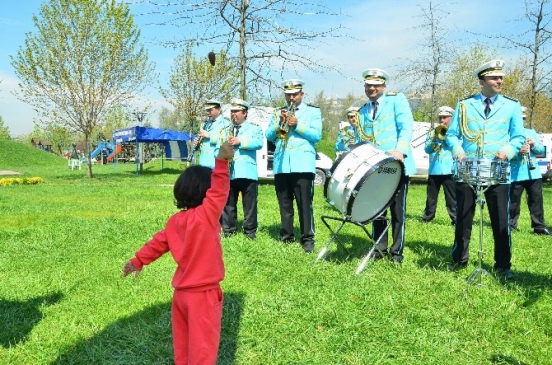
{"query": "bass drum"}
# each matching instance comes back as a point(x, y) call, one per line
point(363, 182)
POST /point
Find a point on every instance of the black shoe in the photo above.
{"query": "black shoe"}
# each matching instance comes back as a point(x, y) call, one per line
point(396, 259)
point(453, 223)
point(455, 266)
point(229, 234)
point(426, 220)
point(376, 255)
point(514, 228)
point(543, 231)
point(287, 240)
point(308, 247)
point(505, 273)
point(251, 236)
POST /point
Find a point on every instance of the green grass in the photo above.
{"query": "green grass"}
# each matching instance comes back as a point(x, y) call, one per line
point(63, 299)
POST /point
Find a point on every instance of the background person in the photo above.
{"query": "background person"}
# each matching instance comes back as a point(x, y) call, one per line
point(192, 236)
point(211, 133)
point(440, 168)
point(246, 138)
point(529, 179)
point(386, 122)
point(485, 125)
point(295, 161)
point(347, 135)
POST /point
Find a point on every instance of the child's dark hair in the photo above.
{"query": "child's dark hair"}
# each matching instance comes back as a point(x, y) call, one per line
point(191, 186)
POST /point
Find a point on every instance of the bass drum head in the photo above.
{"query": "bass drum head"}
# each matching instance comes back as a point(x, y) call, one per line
point(376, 190)
point(336, 163)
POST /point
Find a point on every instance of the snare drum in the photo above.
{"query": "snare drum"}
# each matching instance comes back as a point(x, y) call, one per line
point(482, 171)
point(363, 182)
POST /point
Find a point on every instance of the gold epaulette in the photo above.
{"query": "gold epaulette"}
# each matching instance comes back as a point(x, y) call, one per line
point(392, 93)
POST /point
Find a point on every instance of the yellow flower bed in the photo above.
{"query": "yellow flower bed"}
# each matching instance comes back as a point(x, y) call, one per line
point(20, 181)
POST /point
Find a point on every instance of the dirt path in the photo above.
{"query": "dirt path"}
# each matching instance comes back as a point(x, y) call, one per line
point(8, 172)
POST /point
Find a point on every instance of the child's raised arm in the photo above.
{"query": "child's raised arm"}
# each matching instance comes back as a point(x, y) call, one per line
point(226, 151)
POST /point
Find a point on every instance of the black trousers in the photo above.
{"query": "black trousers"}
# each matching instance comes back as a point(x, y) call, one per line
point(298, 186)
point(533, 189)
point(248, 188)
point(497, 199)
point(398, 226)
point(434, 183)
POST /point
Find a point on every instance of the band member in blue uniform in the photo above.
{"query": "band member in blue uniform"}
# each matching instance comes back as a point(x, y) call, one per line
point(295, 129)
point(526, 176)
point(347, 135)
point(386, 122)
point(485, 125)
point(246, 137)
point(440, 168)
point(210, 135)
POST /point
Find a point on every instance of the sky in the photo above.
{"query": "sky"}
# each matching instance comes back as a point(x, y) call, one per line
point(379, 34)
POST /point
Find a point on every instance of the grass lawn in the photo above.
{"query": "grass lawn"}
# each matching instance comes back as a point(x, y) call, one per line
point(63, 299)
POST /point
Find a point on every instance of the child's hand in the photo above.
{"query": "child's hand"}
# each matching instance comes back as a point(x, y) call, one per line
point(128, 268)
point(226, 151)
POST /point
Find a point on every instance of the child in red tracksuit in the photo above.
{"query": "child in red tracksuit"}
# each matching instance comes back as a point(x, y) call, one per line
point(192, 236)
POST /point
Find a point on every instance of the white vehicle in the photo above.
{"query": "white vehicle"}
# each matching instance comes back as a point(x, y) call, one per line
point(544, 159)
point(265, 156)
point(421, 158)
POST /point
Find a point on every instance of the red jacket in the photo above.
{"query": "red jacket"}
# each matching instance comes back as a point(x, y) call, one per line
point(193, 238)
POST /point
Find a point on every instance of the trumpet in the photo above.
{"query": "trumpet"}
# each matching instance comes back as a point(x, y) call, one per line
point(439, 132)
point(283, 129)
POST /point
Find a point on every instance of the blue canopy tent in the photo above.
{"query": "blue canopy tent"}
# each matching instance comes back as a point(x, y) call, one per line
point(173, 141)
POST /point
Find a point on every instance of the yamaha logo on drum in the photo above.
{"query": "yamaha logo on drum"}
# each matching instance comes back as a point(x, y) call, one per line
point(387, 170)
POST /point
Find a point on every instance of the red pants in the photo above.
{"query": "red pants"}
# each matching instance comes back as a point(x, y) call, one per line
point(196, 322)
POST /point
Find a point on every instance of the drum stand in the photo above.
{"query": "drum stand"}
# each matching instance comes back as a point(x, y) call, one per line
point(476, 277)
point(375, 246)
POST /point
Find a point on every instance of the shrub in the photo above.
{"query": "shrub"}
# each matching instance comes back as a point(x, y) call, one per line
point(20, 181)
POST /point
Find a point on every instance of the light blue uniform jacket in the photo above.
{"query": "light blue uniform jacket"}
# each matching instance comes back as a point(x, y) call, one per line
point(244, 163)
point(519, 165)
point(210, 146)
point(440, 158)
point(343, 138)
point(501, 131)
point(298, 153)
point(391, 130)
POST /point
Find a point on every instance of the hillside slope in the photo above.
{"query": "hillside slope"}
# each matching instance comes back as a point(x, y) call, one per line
point(17, 156)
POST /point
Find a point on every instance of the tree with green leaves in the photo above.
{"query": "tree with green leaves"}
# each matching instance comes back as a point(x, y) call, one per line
point(534, 42)
point(60, 137)
point(84, 58)
point(116, 118)
point(434, 56)
point(459, 81)
point(193, 80)
point(265, 35)
point(4, 130)
point(169, 119)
